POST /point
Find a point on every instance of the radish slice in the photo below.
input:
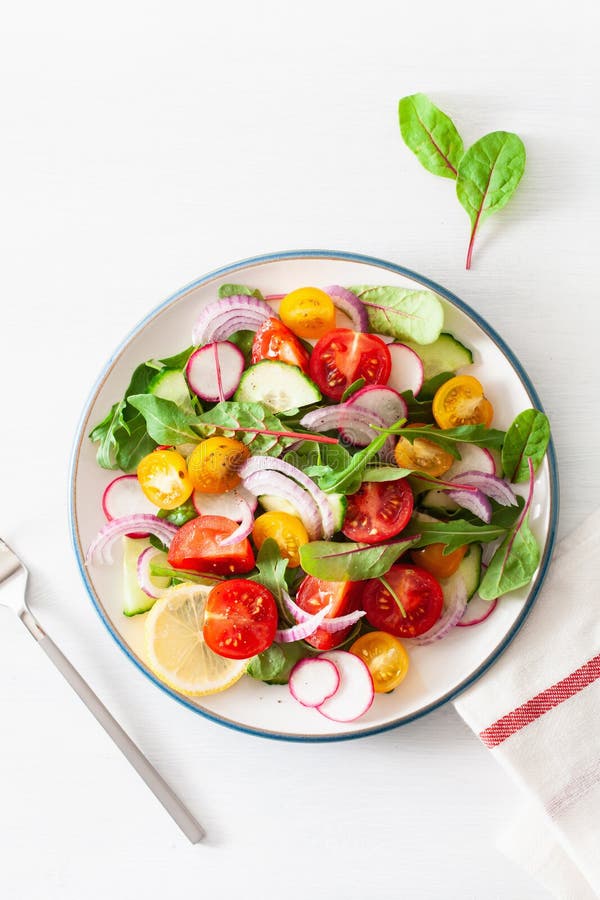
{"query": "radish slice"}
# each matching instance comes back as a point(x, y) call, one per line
point(384, 402)
point(214, 371)
point(407, 369)
point(355, 693)
point(472, 459)
point(125, 497)
point(350, 305)
point(230, 504)
point(477, 611)
point(312, 681)
point(143, 573)
point(99, 550)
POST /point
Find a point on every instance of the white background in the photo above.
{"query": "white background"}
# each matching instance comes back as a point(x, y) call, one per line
point(142, 145)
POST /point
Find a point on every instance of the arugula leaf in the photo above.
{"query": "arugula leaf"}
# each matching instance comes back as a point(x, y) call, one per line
point(349, 479)
point(243, 340)
point(166, 423)
point(180, 515)
point(333, 561)
point(122, 433)
point(420, 408)
point(179, 360)
point(107, 433)
point(275, 663)
point(353, 388)
point(431, 135)
point(455, 534)
point(385, 473)
point(514, 563)
point(260, 429)
point(527, 438)
point(234, 290)
point(271, 573)
point(403, 313)
point(488, 175)
point(450, 437)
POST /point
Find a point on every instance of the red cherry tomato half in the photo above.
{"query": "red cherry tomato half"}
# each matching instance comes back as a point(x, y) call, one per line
point(196, 546)
point(313, 594)
point(378, 511)
point(240, 619)
point(418, 592)
point(274, 340)
point(343, 356)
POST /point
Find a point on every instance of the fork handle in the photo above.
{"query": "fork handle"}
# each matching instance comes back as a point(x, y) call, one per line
point(159, 787)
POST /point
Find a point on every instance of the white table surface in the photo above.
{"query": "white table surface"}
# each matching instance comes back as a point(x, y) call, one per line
point(144, 144)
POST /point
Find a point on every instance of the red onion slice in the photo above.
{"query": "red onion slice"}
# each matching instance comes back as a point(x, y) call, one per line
point(456, 599)
point(353, 422)
point(99, 550)
point(490, 485)
point(302, 630)
point(229, 314)
point(269, 482)
point(329, 625)
point(143, 573)
point(270, 463)
point(350, 305)
point(475, 501)
point(243, 529)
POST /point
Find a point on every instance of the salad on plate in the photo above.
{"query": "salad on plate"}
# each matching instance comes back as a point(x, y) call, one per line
point(310, 491)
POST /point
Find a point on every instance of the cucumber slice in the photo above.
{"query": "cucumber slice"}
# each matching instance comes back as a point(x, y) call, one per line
point(270, 503)
point(170, 384)
point(339, 505)
point(469, 570)
point(135, 601)
point(438, 501)
point(277, 386)
point(444, 355)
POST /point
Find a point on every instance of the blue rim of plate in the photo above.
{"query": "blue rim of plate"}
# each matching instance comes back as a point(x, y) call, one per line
point(554, 494)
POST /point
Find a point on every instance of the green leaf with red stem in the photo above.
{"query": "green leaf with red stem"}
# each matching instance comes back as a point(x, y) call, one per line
point(488, 175)
point(431, 135)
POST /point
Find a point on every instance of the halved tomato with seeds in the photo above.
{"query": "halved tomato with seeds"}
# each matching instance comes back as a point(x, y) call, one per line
point(274, 340)
point(343, 356)
point(378, 511)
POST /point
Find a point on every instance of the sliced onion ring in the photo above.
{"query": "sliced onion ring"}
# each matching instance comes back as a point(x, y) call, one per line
point(490, 485)
point(243, 529)
point(99, 550)
point(269, 482)
point(353, 421)
point(143, 573)
point(229, 312)
point(269, 463)
point(475, 501)
point(329, 625)
point(456, 600)
point(350, 305)
point(303, 629)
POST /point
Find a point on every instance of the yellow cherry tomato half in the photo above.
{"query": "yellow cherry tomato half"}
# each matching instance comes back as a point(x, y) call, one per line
point(385, 657)
point(308, 312)
point(432, 559)
point(286, 530)
point(423, 455)
point(214, 464)
point(461, 401)
point(164, 478)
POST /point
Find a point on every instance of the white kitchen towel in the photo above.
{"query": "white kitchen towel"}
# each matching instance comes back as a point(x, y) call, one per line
point(538, 711)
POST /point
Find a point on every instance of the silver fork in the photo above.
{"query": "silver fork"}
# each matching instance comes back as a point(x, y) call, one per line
point(13, 586)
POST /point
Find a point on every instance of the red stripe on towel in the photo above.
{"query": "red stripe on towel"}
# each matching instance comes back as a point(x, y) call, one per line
point(542, 703)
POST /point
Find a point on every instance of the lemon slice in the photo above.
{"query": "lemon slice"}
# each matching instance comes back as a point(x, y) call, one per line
point(175, 648)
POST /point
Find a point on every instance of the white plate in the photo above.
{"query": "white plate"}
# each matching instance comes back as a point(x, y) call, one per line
point(438, 672)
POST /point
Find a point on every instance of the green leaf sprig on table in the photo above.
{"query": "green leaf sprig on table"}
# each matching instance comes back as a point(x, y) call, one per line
point(486, 175)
